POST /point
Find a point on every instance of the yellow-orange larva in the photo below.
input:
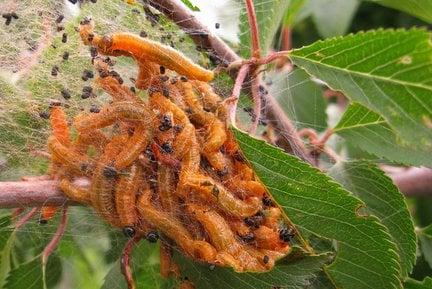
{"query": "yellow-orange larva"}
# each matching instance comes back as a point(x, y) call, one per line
point(96, 138)
point(59, 125)
point(68, 157)
point(118, 111)
point(125, 196)
point(117, 91)
point(144, 48)
point(166, 187)
point(224, 240)
point(133, 147)
point(75, 193)
point(167, 224)
point(146, 72)
point(227, 201)
point(104, 180)
point(211, 100)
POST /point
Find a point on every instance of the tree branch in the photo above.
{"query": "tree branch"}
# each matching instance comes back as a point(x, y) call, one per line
point(412, 181)
point(34, 193)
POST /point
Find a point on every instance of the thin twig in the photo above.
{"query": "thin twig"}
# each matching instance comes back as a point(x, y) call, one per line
point(254, 31)
point(52, 245)
point(256, 96)
point(25, 219)
point(233, 100)
point(125, 261)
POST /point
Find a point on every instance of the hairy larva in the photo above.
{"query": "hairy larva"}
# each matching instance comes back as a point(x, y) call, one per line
point(190, 163)
point(146, 72)
point(216, 136)
point(96, 139)
point(168, 225)
point(75, 193)
point(118, 111)
point(227, 201)
point(163, 158)
point(47, 213)
point(166, 187)
point(152, 51)
point(68, 157)
point(59, 125)
point(133, 147)
point(183, 140)
point(161, 103)
point(125, 196)
point(117, 91)
point(246, 188)
point(223, 238)
point(103, 184)
point(60, 130)
point(211, 100)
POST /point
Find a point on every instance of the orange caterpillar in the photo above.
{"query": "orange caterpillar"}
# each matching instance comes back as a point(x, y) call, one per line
point(144, 50)
point(166, 167)
point(60, 130)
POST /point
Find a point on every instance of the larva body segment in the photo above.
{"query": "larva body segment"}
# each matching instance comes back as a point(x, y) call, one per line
point(169, 226)
point(166, 188)
point(125, 196)
point(96, 138)
point(246, 188)
point(47, 213)
point(75, 193)
point(227, 201)
point(134, 146)
point(224, 240)
point(211, 100)
point(59, 125)
point(146, 72)
point(68, 157)
point(118, 111)
point(216, 136)
point(104, 180)
point(117, 91)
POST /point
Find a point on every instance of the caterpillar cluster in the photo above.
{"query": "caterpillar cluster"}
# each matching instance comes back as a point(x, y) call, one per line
point(167, 165)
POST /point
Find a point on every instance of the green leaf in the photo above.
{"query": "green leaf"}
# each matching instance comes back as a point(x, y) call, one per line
point(287, 274)
point(333, 17)
point(382, 199)
point(6, 241)
point(369, 131)
point(299, 97)
point(388, 71)
point(419, 8)
point(425, 237)
point(291, 14)
point(190, 5)
point(269, 16)
point(30, 276)
point(145, 268)
point(366, 256)
point(414, 284)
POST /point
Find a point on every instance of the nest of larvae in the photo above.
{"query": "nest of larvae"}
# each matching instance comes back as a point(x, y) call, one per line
point(167, 165)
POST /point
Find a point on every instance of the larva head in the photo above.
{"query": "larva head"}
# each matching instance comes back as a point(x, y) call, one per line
point(129, 232)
